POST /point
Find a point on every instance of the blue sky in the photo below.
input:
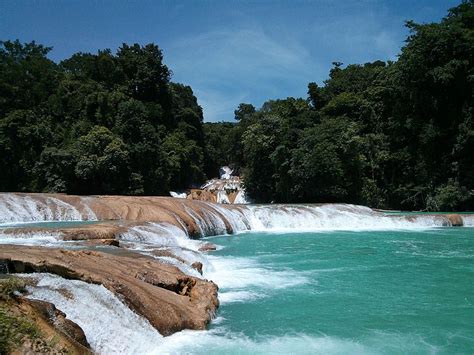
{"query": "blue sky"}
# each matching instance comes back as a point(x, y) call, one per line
point(228, 51)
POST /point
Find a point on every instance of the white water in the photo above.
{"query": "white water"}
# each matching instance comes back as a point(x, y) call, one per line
point(241, 198)
point(178, 194)
point(110, 326)
point(329, 217)
point(468, 220)
point(33, 239)
point(214, 220)
point(222, 197)
point(244, 279)
point(304, 218)
point(20, 208)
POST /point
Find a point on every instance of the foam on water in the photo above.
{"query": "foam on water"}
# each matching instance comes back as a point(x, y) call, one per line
point(185, 268)
point(221, 341)
point(162, 234)
point(218, 341)
point(245, 279)
point(236, 218)
point(238, 296)
point(215, 219)
point(152, 237)
point(468, 220)
point(112, 328)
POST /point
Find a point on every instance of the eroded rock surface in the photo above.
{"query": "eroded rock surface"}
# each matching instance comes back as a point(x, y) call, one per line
point(58, 320)
point(168, 298)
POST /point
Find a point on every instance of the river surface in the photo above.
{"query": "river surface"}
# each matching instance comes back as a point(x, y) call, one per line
point(344, 292)
point(341, 292)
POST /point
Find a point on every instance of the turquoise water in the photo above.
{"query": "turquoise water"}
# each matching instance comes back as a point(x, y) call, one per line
point(340, 292)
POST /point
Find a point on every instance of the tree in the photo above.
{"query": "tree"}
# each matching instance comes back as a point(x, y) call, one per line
point(102, 163)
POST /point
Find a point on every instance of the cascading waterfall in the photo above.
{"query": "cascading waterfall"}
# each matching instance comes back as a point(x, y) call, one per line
point(92, 307)
point(327, 217)
point(216, 219)
point(19, 208)
point(294, 218)
point(468, 220)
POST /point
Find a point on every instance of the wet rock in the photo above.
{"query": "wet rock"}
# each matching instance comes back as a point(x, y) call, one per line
point(169, 299)
point(197, 266)
point(201, 195)
point(121, 212)
point(58, 319)
point(208, 247)
point(455, 220)
point(168, 254)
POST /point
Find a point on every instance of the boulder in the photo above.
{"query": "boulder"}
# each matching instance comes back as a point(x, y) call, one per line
point(455, 220)
point(197, 266)
point(168, 298)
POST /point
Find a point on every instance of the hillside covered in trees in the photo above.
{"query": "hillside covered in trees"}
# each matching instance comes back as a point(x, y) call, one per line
point(104, 123)
point(383, 134)
point(388, 135)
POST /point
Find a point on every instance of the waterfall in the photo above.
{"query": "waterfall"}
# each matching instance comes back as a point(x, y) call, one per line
point(35, 208)
point(329, 217)
point(300, 218)
point(468, 220)
point(109, 325)
point(213, 219)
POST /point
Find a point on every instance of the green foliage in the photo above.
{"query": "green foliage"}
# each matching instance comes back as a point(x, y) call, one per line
point(13, 330)
point(448, 197)
point(96, 123)
point(396, 134)
point(9, 285)
point(327, 164)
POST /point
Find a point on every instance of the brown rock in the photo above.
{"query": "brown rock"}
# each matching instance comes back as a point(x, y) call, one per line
point(208, 247)
point(168, 298)
point(58, 319)
point(197, 266)
point(202, 195)
point(56, 334)
point(131, 210)
point(167, 253)
point(455, 220)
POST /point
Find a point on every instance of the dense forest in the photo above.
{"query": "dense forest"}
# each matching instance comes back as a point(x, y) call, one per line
point(103, 123)
point(383, 134)
point(388, 135)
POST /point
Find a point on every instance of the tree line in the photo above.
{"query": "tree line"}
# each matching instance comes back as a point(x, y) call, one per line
point(384, 134)
point(96, 123)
